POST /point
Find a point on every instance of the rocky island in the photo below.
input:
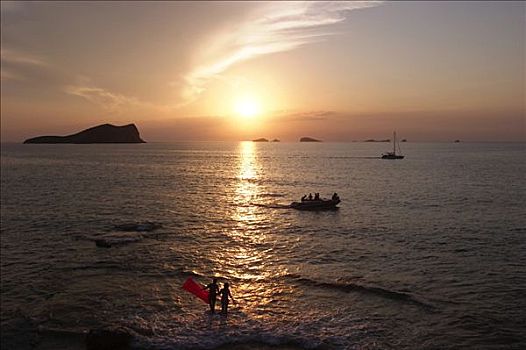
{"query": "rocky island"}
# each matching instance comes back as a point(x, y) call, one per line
point(105, 133)
point(260, 140)
point(309, 139)
point(373, 140)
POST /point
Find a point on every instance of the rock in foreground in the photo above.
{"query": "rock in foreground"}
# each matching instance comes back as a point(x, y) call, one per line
point(105, 133)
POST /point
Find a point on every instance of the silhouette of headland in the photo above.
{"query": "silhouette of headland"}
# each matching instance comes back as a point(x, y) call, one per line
point(105, 133)
point(309, 139)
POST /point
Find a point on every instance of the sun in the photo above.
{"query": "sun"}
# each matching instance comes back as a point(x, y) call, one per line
point(247, 107)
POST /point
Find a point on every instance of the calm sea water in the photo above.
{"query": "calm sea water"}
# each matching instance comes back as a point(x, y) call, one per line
point(428, 252)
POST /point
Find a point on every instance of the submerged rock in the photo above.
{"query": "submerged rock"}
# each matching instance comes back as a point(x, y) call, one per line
point(102, 243)
point(130, 233)
point(110, 240)
point(138, 227)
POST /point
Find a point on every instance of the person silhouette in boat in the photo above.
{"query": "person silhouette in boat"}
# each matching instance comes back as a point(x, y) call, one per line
point(225, 297)
point(310, 197)
point(213, 289)
point(316, 196)
point(304, 198)
point(335, 197)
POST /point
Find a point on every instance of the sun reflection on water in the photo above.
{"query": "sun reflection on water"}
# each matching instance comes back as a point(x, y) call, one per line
point(247, 187)
point(249, 261)
point(248, 170)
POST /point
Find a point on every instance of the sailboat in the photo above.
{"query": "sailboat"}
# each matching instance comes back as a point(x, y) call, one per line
point(393, 155)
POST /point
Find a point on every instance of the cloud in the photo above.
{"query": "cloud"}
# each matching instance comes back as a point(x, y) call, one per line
point(6, 74)
point(17, 65)
point(310, 116)
point(35, 71)
point(110, 101)
point(275, 27)
point(21, 58)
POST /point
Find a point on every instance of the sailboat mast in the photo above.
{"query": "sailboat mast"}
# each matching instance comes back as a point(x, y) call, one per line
point(394, 142)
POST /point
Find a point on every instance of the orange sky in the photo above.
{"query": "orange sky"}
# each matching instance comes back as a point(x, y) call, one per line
point(339, 71)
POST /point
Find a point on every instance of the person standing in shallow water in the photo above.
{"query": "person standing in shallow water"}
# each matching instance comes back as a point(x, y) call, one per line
point(225, 295)
point(213, 289)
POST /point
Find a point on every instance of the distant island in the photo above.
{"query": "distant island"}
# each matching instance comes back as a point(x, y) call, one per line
point(260, 140)
point(275, 140)
point(404, 140)
point(105, 133)
point(373, 140)
point(309, 139)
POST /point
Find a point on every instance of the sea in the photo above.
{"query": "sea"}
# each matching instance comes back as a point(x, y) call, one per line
point(427, 252)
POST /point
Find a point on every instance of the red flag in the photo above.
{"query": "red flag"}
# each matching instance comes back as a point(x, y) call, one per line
point(196, 289)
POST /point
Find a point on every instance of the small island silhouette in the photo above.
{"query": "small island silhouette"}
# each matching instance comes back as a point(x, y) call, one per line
point(374, 140)
point(105, 133)
point(260, 140)
point(309, 139)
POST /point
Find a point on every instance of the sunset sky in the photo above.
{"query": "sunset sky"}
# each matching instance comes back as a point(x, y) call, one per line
point(339, 71)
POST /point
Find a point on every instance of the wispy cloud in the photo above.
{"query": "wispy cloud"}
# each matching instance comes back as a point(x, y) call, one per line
point(17, 64)
point(18, 57)
point(303, 116)
point(110, 101)
point(275, 27)
point(9, 75)
point(20, 66)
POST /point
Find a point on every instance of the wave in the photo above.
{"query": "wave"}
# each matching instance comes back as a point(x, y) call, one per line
point(258, 344)
point(271, 195)
point(271, 205)
point(130, 339)
point(371, 290)
point(245, 339)
point(353, 157)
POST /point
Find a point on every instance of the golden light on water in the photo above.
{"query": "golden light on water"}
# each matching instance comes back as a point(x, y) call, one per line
point(246, 188)
point(248, 162)
point(249, 262)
